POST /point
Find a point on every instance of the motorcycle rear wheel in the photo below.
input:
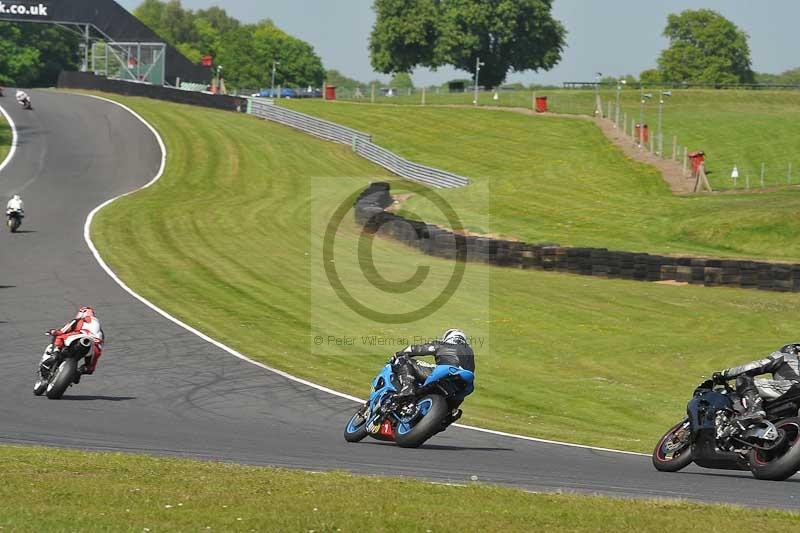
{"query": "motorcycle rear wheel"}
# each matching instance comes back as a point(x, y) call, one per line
point(783, 464)
point(65, 374)
point(664, 458)
point(429, 425)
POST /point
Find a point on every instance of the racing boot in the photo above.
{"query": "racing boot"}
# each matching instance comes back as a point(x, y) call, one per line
point(754, 408)
point(408, 384)
point(46, 364)
point(452, 416)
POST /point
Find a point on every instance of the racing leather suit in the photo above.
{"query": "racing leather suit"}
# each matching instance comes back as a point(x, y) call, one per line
point(410, 371)
point(90, 326)
point(784, 365)
point(15, 204)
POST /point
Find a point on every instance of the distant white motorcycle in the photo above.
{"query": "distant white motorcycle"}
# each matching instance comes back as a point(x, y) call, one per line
point(14, 219)
point(24, 100)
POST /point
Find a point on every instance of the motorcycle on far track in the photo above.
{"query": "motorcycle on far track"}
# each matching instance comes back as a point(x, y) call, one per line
point(62, 372)
point(411, 422)
point(24, 100)
point(712, 437)
point(13, 220)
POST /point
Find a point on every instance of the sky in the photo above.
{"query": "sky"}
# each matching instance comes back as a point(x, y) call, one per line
point(614, 37)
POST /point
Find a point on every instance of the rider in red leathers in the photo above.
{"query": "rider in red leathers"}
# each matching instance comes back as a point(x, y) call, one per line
point(85, 323)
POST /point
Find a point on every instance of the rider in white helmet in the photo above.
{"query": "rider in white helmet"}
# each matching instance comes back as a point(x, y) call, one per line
point(453, 349)
point(15, 205)
point(22, 95)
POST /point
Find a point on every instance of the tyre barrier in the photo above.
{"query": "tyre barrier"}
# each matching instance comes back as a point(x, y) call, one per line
point(370, 213)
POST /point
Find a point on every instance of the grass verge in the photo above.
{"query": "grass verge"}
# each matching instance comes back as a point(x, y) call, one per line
point(734, 127)
point(5, 138)
point(47, 489)
point(559, 180)
point(227, 242)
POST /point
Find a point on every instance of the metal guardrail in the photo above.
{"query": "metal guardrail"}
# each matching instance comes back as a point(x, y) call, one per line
point(315, 126)
point(361, 142)
point(408, 169)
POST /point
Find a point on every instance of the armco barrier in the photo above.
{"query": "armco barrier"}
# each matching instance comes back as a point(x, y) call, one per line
point(433, 240)
point(361, 142)
point(86, 80)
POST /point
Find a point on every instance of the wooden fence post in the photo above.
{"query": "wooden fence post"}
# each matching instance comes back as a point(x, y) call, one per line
point(685, 161)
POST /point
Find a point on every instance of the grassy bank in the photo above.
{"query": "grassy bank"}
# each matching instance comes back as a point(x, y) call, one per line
point(45, 489)
point(733, 127)
point(229, 240)
point(559, 180)
point(5, 138)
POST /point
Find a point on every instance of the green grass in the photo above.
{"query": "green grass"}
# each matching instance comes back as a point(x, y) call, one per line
point(733, 127)
point(559, 180)
point(47, 489)
point(228, 241)
point(5, 138)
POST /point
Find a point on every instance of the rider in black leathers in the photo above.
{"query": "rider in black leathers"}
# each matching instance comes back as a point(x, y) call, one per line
point(784, 365)
point(453, 349)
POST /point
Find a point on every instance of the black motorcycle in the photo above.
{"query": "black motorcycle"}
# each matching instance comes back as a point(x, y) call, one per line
point(13, 221)
point(711, 436)
point(59, 368)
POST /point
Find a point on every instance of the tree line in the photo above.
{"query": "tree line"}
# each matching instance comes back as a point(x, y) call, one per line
point(246, 52)
point(497, 37)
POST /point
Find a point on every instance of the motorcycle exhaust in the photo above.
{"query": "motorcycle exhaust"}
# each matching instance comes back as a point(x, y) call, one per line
point(85, 342)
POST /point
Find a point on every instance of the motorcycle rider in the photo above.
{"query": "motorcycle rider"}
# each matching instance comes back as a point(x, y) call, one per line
point(15, 205)
point(84, 323)
point(453, 349)
point(784, 365)
point(23, 98)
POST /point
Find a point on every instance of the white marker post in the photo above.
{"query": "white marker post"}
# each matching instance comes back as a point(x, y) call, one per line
point(734, 175)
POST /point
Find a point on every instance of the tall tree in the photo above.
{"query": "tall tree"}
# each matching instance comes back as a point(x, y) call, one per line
point(246, 52)
point(34, 54)
point(705, 47)
point(507, 35)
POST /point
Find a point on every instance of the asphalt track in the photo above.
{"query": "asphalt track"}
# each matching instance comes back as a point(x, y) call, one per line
point(160, 389)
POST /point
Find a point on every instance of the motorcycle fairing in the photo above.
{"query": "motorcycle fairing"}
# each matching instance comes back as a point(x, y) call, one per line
point(445, 371)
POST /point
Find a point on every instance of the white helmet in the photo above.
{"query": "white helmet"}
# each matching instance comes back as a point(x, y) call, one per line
point(16, 197)
point(454, 336)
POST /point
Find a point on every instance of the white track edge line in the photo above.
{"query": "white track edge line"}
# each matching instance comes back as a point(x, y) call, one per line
point(87, 237)
point(14, 138)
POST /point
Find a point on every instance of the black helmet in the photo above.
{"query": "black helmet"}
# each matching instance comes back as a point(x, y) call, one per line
point(793, 348)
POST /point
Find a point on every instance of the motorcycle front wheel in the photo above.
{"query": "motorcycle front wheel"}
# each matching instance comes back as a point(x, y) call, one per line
point(356, 428)
point(783, 460)
point(39, 386)
point(674, 450)
point(65, 374)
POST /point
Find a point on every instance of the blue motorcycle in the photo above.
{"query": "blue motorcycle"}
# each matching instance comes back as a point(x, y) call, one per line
point(412, 421)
